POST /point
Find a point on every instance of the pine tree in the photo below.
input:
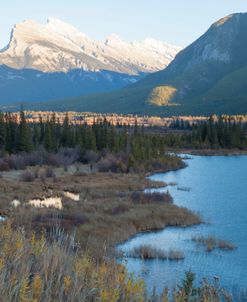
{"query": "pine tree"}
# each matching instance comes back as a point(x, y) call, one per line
point(48, 140)
point(42, 130)
point(36, 136)
point(90, 140)
point(136, 128)
point(24, 137)
point(66, 133)
point(2, 132)
point(11, 133)
point(112, 144)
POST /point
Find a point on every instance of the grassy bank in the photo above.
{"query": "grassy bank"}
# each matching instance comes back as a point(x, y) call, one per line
point(111, 207)
point(54, 269)
point(39, 262)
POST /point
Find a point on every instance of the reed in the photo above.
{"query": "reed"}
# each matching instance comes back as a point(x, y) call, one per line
point(149, 252)
point(211, 243)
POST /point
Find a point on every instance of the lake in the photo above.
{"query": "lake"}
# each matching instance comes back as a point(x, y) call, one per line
point(216, 188)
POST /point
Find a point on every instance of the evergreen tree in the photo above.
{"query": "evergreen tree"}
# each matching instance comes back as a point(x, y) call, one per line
point(2, 132)
point(42, 130)
point(90, 140)
point(24, 137)
point(66, 133)
point(48, 139)
point(36, 136)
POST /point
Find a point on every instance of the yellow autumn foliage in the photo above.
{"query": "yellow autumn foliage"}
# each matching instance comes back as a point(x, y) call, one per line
point(37, 269)
point(162, 96)
point(50, 270)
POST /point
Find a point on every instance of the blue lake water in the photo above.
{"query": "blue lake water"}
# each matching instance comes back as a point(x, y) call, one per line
point(218, 192)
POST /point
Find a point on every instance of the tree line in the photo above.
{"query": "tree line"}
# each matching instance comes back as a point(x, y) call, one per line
point(216, 132)
point(17, 135)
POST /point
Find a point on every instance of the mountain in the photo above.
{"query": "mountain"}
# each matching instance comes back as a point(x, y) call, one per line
point(55, 60)
point(209, 76)
point(57, 46)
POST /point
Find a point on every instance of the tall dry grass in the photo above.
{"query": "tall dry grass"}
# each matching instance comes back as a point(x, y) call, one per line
point(39, 269)
point(48, 269)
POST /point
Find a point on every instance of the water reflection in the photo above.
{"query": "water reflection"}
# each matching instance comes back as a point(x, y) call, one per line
point(218, 191)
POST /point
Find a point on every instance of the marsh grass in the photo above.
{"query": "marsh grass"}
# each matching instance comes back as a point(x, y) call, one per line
point(211, 243)
point(52, 267)
point(148, 252)
point(151, 197)
point(106, 203)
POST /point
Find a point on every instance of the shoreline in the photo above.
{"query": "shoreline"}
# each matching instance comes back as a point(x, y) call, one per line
point(161, 171)
point(156, 230)
point(211, 152)
point(106, 214)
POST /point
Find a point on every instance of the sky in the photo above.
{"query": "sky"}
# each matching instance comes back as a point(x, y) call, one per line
point(177, 22)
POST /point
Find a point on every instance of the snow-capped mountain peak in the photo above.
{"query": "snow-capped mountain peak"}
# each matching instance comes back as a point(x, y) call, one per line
point(58, 46)
point(63, 28)
point(113, 39)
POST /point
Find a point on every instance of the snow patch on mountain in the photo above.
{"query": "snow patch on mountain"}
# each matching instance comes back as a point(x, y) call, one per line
point(58, 46)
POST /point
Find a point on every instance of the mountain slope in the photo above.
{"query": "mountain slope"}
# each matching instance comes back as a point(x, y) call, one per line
point(206, 77)
point(28, 85)
point(196, 69)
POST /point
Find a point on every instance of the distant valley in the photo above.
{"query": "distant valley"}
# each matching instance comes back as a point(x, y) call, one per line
point(55, 60)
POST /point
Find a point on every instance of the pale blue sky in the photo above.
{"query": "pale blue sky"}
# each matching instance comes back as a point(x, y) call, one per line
point(175, 21)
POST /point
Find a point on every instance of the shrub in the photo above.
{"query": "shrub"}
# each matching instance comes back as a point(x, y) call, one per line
point(151, 197)
point(36, 173)
point(90, 157)
point(49, 172)
point(68, 156)
point(35, 158)
point(64, 157)
point(48, 218)
point(55, 179)
point(111, 164)
point(122, 208)
point(106, 165)
point(16, 161)
point(74, 218)
point(53, 160)
point(42, 177)
point(27, 176)
point(4, 166)
point(22, 160)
